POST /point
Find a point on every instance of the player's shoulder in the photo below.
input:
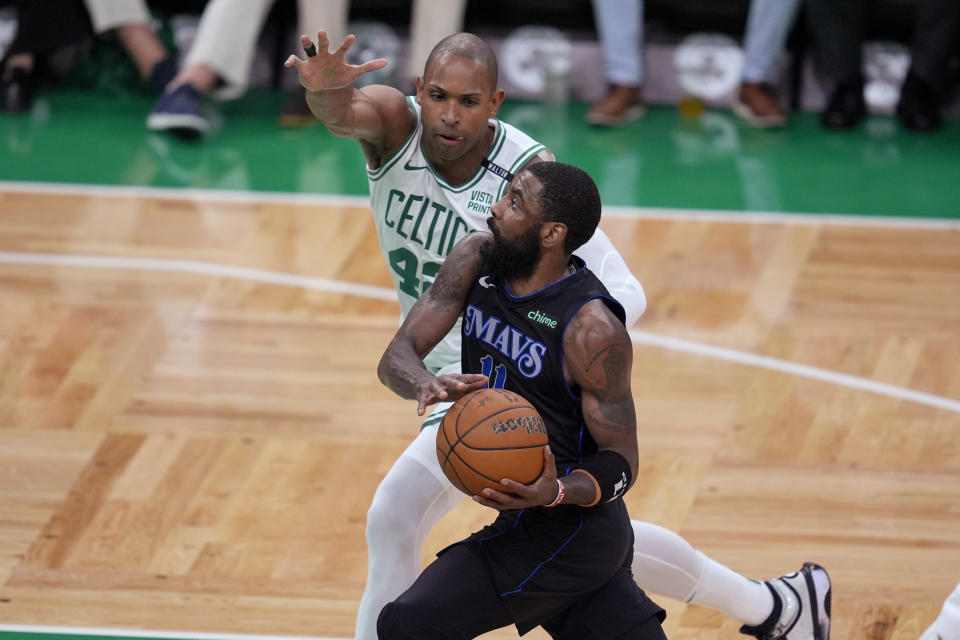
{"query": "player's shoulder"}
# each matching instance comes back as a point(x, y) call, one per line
point(515, 141)
point(471, 244)
point(387, 98)
point(595, 343)
point(396, 110)
point(459, 269)
point(595, 326)
point(465, 257)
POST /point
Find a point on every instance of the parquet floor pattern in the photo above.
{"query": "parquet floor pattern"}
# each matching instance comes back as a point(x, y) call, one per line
point(186, 450)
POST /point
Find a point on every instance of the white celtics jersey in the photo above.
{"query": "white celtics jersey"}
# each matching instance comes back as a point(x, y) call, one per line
point(420, 217)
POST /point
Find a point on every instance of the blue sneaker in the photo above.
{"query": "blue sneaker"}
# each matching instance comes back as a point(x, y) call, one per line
point(180, 112)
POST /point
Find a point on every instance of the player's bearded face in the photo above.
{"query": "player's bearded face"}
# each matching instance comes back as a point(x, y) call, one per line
point(515, 257)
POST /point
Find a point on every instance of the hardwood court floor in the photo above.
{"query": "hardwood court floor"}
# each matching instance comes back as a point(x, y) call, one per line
point(186, 447)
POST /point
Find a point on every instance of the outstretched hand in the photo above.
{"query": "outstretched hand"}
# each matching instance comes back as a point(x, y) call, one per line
point(541, 491)
point(324, 69)
point(450, 387)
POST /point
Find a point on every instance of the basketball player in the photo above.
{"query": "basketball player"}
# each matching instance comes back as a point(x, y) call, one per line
point(435, 163)
point(947, 624)
point(558, 554)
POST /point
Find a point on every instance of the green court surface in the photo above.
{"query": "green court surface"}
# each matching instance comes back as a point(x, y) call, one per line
point(715, 162)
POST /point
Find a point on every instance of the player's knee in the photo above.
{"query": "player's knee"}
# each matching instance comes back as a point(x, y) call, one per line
point(388, 523)
point(387, 622)
point(401, 621)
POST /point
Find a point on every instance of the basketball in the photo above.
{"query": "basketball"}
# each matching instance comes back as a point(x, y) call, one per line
point(490, 434)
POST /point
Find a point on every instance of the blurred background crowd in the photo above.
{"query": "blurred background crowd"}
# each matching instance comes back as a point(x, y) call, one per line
point(763, 59)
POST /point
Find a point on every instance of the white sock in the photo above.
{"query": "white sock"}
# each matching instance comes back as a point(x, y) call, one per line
point(407, 505)
point(666, 564)
point(947, 624)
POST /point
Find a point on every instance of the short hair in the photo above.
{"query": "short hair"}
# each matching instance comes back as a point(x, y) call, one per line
point(471, 47)
point(569, 195)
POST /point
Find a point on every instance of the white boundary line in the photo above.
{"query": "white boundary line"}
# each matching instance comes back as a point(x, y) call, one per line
point(176, 193)
point(323, 199)
point(773, 217)
point(197, 267)
point(138, 633)
point(802, 370)
point(383, 293)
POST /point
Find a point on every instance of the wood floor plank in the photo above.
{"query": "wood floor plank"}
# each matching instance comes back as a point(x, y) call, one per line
point(185, 448)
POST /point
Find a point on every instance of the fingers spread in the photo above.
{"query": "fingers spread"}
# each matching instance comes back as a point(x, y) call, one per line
point(373, 65)
point(346, 44)
point(323, 43)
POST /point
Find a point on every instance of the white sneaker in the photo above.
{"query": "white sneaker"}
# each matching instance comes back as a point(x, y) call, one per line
point(805, 606)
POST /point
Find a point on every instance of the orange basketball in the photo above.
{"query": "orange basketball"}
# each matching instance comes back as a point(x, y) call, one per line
point(490, 434)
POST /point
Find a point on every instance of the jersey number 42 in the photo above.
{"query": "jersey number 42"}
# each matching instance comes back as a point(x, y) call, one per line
point(413, 278)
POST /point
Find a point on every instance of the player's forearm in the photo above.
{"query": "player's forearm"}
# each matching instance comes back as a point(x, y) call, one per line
point(603, 478)
point(578, 488)
point(332, 108)
point(402, 370)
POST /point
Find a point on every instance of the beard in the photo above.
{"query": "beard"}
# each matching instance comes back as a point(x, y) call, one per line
point(511, 259)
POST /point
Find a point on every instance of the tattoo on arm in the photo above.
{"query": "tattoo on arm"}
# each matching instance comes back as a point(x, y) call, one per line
point(613, 360)
point(446, 292)
point(599, 355)
point(610, 368)
point(612, 418)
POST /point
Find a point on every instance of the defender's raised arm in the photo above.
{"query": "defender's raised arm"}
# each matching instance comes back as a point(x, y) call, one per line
point(377, 115)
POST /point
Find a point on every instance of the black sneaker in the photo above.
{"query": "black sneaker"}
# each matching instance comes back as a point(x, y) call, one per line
point(918, 108)
point(846, 108)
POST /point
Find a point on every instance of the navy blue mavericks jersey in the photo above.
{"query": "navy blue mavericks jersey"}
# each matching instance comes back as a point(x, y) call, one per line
point(518, 343)
point(540, 557)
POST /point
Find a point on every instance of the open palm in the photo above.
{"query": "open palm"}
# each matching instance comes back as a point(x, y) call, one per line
point(329, 70)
